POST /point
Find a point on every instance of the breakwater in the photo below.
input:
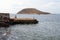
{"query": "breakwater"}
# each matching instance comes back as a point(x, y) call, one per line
point(13, 21)
point(5, 20)
point(23, 21)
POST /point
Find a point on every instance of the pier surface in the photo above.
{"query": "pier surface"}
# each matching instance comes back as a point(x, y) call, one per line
point(23, 21)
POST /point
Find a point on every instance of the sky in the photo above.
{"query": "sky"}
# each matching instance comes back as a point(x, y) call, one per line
point(13, 6)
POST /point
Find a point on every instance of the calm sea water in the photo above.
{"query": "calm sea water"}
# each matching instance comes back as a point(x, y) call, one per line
point(48, 28)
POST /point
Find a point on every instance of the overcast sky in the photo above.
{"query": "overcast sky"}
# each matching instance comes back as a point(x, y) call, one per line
point(13, 6)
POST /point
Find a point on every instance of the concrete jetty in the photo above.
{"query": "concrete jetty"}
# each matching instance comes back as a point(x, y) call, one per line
point(5, 20)
point(23, 21)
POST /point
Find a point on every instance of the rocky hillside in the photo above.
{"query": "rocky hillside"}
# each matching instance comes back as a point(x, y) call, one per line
point(31, 11)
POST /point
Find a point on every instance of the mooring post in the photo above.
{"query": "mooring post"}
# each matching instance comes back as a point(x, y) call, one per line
point(15, 16)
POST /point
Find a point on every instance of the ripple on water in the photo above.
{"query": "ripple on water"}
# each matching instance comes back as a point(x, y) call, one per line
point(42, 31)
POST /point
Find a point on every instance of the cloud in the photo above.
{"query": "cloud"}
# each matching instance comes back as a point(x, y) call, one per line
point(13, 6)
point(52, 7)
point(48, 5)
point(20, 4)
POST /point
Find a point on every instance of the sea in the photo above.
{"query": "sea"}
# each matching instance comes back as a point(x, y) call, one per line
point(47, 28)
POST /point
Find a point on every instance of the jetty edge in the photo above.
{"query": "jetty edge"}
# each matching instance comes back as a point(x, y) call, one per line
point(23, 21)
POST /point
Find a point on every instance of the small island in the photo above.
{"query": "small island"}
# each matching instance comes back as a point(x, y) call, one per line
point(31, 11)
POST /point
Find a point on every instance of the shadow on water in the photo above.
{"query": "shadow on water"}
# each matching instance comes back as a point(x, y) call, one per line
point(4, 32)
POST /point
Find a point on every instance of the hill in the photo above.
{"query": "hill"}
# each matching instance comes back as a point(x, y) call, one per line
point(31, 11)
